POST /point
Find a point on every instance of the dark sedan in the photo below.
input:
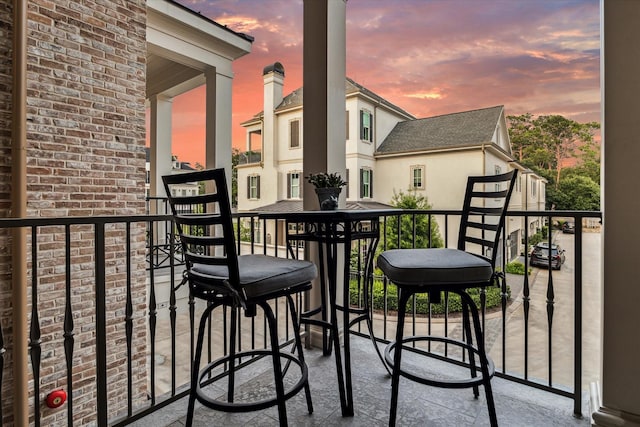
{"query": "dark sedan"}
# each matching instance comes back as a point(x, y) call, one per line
point(540, 256)
point(569, 227)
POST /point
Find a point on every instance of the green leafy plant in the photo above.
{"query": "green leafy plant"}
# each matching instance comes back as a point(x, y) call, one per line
point(389, 300)
point(326, 180)
point(516, 267)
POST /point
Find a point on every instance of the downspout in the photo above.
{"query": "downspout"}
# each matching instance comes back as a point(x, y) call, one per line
point(19, 210)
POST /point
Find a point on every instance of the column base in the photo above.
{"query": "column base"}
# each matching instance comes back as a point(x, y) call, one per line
point(605, 417)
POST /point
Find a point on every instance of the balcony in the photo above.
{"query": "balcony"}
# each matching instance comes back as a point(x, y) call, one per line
point(249, 157)
point(134, 360)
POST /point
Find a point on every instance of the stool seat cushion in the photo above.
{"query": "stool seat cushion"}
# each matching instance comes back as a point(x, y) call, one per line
point(261, 275)
point(434, 266)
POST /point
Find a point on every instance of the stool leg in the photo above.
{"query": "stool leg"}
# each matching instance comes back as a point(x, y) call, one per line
point(403, 298)
point(469, 340)
point(195, 368)
point(277, 368)
point(484, 364)
point(296, 331)
point(232, 352)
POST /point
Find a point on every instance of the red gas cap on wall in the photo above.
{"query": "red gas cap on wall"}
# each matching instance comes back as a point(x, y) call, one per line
point(56, 398)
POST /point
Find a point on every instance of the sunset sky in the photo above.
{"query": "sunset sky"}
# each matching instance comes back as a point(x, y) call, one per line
point(428, 57)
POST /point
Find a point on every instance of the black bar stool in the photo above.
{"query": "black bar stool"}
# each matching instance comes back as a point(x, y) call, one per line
point(437, 270)
point(219, 276)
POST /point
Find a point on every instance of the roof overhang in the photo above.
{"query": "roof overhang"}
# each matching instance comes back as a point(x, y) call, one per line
point(182, 45)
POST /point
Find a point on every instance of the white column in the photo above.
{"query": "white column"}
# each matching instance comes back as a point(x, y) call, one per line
point(324, 125)
point(324, 76)
point(218, 122)
point(619, 403)
point(160, 140)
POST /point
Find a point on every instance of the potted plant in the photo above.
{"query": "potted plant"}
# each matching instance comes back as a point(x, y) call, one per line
point(328, 187)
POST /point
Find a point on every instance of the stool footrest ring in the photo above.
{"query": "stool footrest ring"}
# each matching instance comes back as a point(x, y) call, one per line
point(452, 383)
point(249, 406)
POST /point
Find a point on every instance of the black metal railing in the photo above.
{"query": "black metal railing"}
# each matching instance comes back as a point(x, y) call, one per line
point(124, 274)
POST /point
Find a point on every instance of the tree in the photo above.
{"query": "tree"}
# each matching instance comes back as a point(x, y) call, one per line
point(235, 160)
point(577, 193)
point(411, 226)
point(546, 142)
point(562, 135)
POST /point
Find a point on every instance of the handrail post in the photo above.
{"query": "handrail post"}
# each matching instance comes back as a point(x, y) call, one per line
point(577, 339)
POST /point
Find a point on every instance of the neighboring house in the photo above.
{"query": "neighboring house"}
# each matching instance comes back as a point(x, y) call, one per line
point(388, 150)
point(189, 189)
point(276, 174)
point(434, 156)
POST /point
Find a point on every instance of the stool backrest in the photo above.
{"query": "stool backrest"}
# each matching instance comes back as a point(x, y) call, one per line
point(483, 213)
point(204, 221)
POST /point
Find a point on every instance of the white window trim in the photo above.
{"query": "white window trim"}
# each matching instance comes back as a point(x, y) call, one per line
point(412, 170)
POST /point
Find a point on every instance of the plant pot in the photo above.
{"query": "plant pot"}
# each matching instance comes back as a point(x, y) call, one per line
point(328, 198)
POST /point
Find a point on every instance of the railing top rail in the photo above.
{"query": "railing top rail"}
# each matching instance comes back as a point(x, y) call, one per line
point(78, 220)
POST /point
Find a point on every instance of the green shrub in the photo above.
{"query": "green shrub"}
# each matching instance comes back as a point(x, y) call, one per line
point(493, 295)
point(516, 267)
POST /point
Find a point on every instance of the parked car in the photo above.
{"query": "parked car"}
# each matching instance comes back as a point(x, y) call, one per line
point(540, 256)
point(569, 227)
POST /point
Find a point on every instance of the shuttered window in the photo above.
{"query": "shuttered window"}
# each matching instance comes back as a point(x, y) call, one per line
point(253, 187)
point(366, 126)
point(294, 133)
point(293, 185)
point(366, 183)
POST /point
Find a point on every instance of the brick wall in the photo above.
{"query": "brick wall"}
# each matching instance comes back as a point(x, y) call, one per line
point(85, 157)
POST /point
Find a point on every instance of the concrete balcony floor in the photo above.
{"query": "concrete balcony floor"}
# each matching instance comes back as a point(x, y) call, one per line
point(419, 405)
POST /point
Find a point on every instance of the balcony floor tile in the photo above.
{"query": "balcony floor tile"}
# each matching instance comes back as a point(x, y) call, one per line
point(419, 405)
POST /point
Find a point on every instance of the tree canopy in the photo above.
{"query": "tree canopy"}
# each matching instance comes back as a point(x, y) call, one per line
point(547, 145)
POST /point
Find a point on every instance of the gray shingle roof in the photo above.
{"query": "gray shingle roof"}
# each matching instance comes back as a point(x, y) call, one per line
point(467, 128)
point(294, 99)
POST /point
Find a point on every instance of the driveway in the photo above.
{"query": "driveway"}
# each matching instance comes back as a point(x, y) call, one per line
point(550, 321)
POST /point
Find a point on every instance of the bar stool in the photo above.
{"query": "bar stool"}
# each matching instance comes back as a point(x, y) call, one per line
point(437, 270)
point(217, 275)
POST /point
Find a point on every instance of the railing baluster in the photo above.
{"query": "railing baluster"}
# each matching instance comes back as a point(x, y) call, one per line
point(550, 306)
point(152, 323)
point(101, 326)
point(526, 298)
point(35, 343)
point(128, 322)
point(68, 326)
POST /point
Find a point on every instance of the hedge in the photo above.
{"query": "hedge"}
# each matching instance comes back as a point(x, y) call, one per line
point(493, 295)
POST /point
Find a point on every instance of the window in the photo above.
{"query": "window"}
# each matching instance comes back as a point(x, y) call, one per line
point(366, 183)
point(294, 133)
point(366, 126)
point(253, 187)
point(498, 171)
point(533, 188)
point(417, 177)
point(293, 185)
